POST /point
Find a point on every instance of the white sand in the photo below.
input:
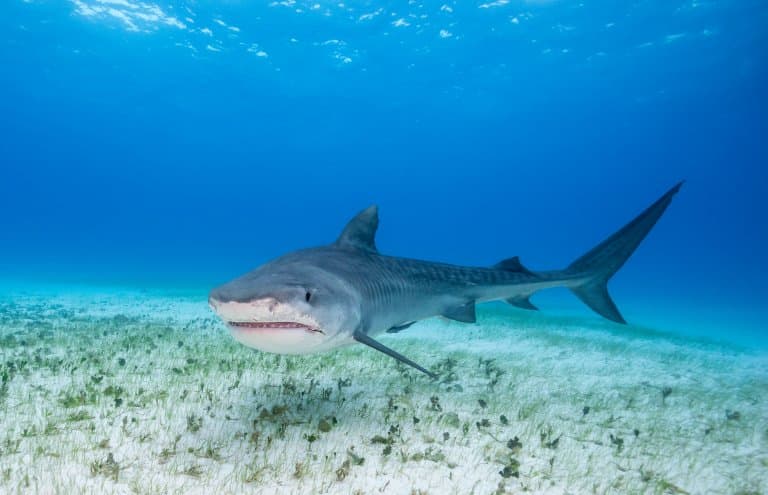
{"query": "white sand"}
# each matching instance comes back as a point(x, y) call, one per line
point(131, 392)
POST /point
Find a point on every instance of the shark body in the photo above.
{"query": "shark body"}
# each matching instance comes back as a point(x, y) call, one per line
point(326, 297)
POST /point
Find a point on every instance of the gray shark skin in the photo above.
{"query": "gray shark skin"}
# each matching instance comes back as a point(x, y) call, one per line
point(326, 297)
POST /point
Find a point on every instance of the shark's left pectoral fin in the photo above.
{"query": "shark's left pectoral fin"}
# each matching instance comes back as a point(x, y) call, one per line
point(400, 328)
point(370, 342)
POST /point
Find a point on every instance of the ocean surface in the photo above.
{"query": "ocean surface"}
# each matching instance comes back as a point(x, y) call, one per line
point(150, 151)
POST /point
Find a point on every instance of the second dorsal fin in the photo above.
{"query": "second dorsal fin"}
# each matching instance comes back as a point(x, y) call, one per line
point(511, 265)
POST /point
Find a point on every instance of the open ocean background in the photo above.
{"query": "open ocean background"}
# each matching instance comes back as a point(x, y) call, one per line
point(178, 144)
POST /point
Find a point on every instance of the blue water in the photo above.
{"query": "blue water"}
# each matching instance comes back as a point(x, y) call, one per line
point(182, 143)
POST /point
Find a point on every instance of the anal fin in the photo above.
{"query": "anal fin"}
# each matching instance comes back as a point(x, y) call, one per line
point(370, 342)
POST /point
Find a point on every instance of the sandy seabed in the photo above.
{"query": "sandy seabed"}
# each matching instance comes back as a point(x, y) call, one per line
point(144, 392)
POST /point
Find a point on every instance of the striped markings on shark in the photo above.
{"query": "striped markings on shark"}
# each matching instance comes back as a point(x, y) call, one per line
point(326, 297)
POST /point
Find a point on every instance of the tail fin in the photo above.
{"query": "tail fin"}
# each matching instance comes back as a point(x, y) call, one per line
point(600, 263)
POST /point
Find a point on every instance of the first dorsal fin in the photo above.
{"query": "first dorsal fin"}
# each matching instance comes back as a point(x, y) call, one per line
point(511, 265)
point(360, 232)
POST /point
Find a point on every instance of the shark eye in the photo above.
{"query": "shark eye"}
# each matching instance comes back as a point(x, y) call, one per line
point(307, 296)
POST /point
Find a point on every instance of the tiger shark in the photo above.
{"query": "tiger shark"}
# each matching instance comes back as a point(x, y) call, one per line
point(326, 297)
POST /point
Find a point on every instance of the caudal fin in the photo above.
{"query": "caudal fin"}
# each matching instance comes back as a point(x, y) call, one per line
point(602, 261)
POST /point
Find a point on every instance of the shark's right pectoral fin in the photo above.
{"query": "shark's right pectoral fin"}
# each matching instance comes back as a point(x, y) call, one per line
point(370, 342)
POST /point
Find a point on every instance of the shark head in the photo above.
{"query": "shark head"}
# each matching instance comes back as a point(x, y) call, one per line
point(288, 306)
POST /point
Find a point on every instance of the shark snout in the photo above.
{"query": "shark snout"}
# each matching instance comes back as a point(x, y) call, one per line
point(222, 295)
point(242, 310)
point(228, 295)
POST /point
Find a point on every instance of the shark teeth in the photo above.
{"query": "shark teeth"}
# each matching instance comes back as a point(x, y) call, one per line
point(272, 324)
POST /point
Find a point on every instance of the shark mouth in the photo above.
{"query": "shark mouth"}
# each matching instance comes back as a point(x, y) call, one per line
point(273, 325)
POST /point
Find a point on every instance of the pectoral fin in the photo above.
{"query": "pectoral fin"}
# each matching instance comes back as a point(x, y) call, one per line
point(400, 328)
point(370, 342)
